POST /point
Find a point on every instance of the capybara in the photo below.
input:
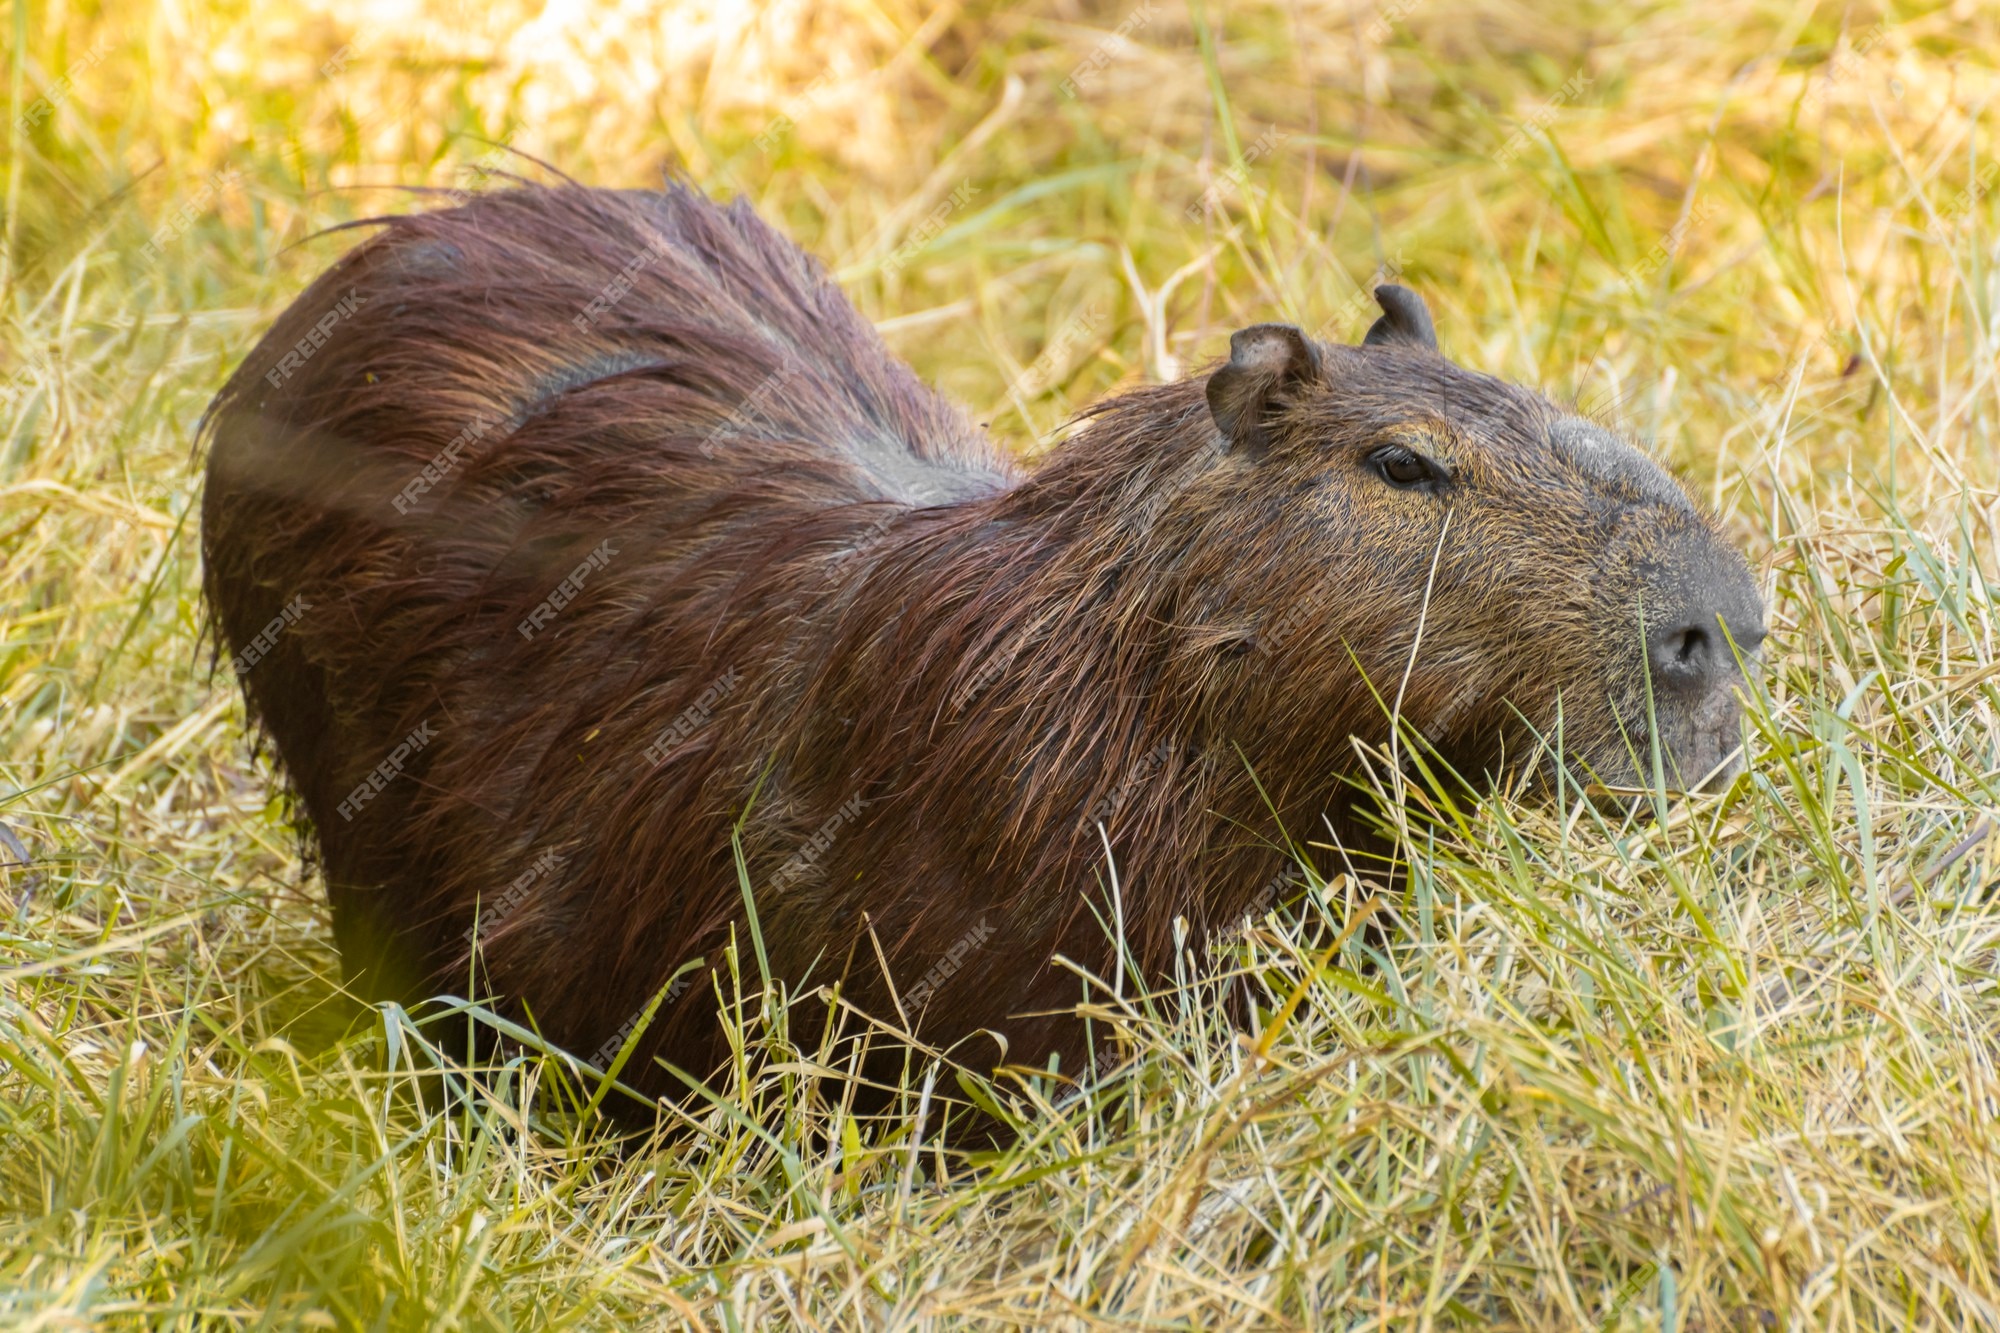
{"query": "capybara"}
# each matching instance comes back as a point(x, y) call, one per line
point(577, 547)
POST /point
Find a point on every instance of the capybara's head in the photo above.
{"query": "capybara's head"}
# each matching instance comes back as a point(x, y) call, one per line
point(1504, 572)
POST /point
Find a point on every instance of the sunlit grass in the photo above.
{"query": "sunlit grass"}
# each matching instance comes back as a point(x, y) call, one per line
point(1733, 1068)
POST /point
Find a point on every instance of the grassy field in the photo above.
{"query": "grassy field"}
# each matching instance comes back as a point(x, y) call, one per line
point(1729, 1067)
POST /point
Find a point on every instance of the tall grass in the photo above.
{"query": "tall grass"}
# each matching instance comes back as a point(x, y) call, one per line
point(1732, 1067)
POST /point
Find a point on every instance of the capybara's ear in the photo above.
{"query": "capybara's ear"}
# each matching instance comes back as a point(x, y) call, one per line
point(1405, 319)
point(1264, 361)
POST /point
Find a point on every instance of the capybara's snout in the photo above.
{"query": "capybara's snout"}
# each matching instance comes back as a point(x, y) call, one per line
point(1703, 626)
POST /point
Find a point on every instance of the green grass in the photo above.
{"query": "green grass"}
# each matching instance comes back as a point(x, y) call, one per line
point(1730, 1068)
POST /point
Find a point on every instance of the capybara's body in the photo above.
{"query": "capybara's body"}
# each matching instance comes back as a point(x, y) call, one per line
point(560, 536)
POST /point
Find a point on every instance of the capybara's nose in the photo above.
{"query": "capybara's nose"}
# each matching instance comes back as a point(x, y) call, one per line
point(1693, 654)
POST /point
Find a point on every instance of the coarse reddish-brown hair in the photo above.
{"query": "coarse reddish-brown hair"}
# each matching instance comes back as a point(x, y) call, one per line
point(607, 525)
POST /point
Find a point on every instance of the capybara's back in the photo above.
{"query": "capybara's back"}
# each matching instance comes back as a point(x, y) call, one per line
point(597, 574)
point(514, 470)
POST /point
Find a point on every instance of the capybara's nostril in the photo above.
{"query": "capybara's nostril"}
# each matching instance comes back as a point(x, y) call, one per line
point(1699, 652)
point(1688, 656)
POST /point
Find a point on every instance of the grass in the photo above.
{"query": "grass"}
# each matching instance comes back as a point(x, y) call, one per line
point(1734, 1067)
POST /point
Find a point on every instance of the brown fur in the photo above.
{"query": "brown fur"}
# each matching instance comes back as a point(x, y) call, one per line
point(1169, 629)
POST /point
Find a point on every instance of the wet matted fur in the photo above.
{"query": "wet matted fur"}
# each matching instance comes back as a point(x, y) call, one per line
point(550, 529)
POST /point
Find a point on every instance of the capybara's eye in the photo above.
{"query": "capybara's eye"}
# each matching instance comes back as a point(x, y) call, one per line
point(1405, 467)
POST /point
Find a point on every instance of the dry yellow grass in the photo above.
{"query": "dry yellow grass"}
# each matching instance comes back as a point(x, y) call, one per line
point(1732, 1067)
